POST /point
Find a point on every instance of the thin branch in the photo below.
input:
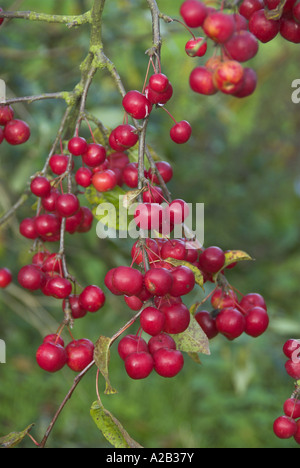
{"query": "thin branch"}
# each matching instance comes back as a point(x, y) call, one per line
point(23, 198)
point(70, 21)
point(64, 95)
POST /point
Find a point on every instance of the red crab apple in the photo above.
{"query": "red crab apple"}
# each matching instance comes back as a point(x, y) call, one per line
point(131, 344)
point(139, 365)
point(137, 105)
point(80, 354)
point(159, 82)
point(92, 298)
point(228, 76)
point(219, 26)
point(193, 13)
point(284, 427)
point(181, 132)
point(77, 146)
point(201, 81)
point(16, 132)
point(6, 112)
point(5, 277)
point(264, 29)
point(196, 47)
point(104, 181)
point(51, 357)
point(168, 362)
point(207, 323)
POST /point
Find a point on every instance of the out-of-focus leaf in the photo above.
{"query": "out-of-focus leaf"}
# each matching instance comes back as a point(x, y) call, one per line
point(14, 438)
point(193, 339)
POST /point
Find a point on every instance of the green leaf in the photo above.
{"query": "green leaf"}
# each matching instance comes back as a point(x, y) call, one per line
point(111, 428)
point(14, 438)
point(198, 274)
point(102, 357)
point(193, 340)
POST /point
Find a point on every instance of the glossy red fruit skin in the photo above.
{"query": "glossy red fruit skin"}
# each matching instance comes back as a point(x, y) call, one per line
point(159, 98)
point(51, 357)
point(228, 77)
point(59, 163)
point(264, 29)
point(174, 248)
point(165, 170)
point(137, 105)
point(79, 355)
point(67, 205)
point(212, 259)
point(27, 228)
point(183, 281)
point(201, 81)
point(92, 298)
point(291, 408)
point(230, 323)
point(152, 321)
point(219, 26)
point(40, 186)
point(181, 132)
point(178, 318)
point(159, 82)
point(149, 216)
point(251, 300)
point(284, 427)
point(168, 362)
point(193, 13)
point(158, 281)
point(153, 195)
point(16, 132)
point(139, 365)
point(223, 299)
point(242, 46)
point(60, 288)
point(49, 201)
point(6, 112)
point(87, 220)
point(248, 84)
point(54, 338)
point(292, 367)
point(128, 281)
point(104, 181)
point(194, 49)
point(47, 225)
point(207, 323)
point(290, 30)
point(130, 344)
point(76, 310)
point(248, 7)
point(31, 278)
point(77, 146)
point(162, 340)
point(257, 322)
point(291, 348)
point(123, 137)
point(5, 277)
point(94, 155)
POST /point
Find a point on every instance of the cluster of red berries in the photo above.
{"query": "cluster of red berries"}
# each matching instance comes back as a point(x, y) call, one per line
point(13, 131)
point(139, 105)
point(52, 355)
point(288, 425)
point(236, 38)
point(232, 317)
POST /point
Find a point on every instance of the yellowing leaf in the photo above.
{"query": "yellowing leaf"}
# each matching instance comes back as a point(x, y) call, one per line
point(14, 438)
point(193, 340)
point(233, 256)
point(111, 428)
point(102, 357)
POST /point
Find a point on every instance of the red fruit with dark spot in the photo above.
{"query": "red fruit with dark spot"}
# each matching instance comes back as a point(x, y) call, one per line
point(158, 281)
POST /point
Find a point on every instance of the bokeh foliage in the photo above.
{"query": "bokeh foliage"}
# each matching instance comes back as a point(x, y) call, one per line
point(243, 163)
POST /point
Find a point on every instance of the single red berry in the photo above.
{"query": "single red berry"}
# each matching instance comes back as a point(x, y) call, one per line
point(159, 98)
point(168, 362)
point(291, 408)
point(263, 29)
point(128, 281)
point(196, 47)
point(149, 216)
point(77, 146)
point(159, 82)
point(165, 170)
point(54, 338)
point(177, 211)
point(104, 181)
point(228, 77)
point(95, 155)
point(130, 344)
point(87, 220)
point(219, 26)
point(251, 300)
point(59, 163)
point(242, 46)
point(284, 427)
point(162, 340)
point(174, 248)
point(60, 288)
point(230, 323)
point(77, 310)
point(27, 228)
point(51, 357)
point(123, 137)
point(16, 132)
point(92, 298)
point(133, 302)
point(248, 84)
point(49, 201)
point(177, 316)
point(292, 367)
point(84, 176)
point(67, 205)
point(248, 7)
point(257, 321)
point(223, 299)
point(6, 112)
point(181, 132)
point(152, 321)
point(40, 186)
point(137, 105)
point(208, 323)
point(79, 355)
point(291, 348)
point(158, 281)
point(139, 365)
point(5, 277)
point(31, 278)
point(212, 259)
point(183, 281)
point(193, 13)
point(201, 81)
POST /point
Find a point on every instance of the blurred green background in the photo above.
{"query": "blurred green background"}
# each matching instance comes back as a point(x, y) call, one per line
point(242, 162)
